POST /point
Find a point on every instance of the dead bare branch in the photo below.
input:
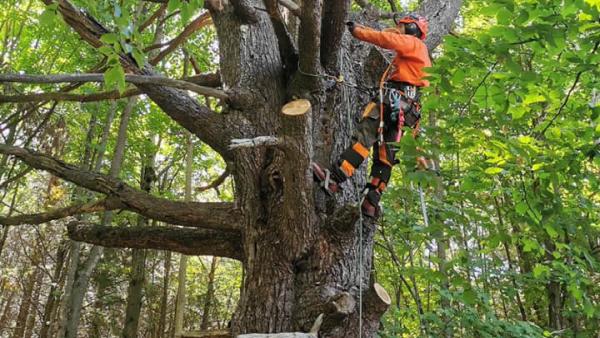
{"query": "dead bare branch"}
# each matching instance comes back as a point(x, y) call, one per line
point(131, 78)
point(182, 240)
point(77, 209)
point(192, 27)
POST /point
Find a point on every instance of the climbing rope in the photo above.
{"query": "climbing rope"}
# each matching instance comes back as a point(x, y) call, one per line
point(423, 206)
point(361, 198)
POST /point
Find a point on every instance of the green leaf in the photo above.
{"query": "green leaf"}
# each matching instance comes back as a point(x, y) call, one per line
point(540, 271)
point(106, 50)
point(504, 16)
point(553, 133)
point(533, 98)
point(521, 208)
point(109, 38)
point(173, 5)
point(493, 170)
point(139, 56)
point(529, 245)
point(186, 13)
point(575, 291)
point(115, 77)
point(469, 296)
point(518, 112)
point(551, 231)
point(525, 139)
point(48, 17)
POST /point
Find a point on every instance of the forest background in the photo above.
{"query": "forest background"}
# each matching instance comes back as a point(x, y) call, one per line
point(513, 115)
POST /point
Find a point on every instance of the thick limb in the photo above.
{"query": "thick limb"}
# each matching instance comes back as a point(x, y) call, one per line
point(220, 216)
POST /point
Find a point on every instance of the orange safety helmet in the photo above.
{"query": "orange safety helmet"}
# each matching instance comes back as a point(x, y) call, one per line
point(418, 21)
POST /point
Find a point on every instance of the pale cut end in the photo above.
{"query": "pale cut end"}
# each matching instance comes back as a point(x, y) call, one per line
point(383, 295)
point(296, 107)
point(317, 325)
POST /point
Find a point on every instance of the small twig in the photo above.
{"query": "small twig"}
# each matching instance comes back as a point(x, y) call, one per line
point(566, 100)
point(216, 183)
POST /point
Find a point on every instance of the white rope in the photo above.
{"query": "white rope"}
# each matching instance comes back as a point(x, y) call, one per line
point(423, 206)
point(360, 259)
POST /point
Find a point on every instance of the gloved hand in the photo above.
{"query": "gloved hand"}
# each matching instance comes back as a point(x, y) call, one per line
point(351, 25)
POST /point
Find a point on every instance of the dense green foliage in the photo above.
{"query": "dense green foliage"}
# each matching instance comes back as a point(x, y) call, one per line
point(515, 125)
point(511, 246)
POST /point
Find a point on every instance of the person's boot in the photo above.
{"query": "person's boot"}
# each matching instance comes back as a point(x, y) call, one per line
point(370, 204)
point(325, 178)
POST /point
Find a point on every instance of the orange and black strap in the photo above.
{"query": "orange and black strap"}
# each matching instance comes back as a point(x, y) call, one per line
point(352, 158)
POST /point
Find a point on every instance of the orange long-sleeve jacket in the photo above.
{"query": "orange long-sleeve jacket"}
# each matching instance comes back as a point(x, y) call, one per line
point(411, 54)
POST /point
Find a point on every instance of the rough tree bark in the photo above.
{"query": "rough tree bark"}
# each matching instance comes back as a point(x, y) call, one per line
point(299, 247)
point(138, 261)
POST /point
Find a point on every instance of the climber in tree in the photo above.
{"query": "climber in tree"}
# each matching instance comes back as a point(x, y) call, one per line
point(383, 119)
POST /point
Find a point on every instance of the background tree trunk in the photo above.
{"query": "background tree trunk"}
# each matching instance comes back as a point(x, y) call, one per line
point(52, 299)
point(181, 277)
point(210, 294)
point(26, 302)
point(138, 260)
point(162, 322)
point(83, 273)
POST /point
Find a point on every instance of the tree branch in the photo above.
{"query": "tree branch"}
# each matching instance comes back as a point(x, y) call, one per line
point(244, 11)
point(310, 36)
point(182, 240)
point(220, 216)
point(287, 49)
point(201, 21)
point(15, 178)
point(77, 209)
point(62, 96)
point(291, 6)
point(206, 79)
point(198, 119)
point(159, 12)
point(441, 15)
point(255, 142)
point(216, 183)
point(335, 13)
point(135, 79)
point(212, 80)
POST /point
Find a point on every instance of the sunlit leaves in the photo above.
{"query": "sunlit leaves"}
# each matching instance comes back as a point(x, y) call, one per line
point(114, 77)
point(495, 88)
point(49, 16)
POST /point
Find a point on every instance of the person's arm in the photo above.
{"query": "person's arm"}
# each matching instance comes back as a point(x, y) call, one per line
point(387, 40)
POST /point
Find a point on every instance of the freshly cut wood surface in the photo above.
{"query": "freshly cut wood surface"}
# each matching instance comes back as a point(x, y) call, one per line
point(296, 107)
